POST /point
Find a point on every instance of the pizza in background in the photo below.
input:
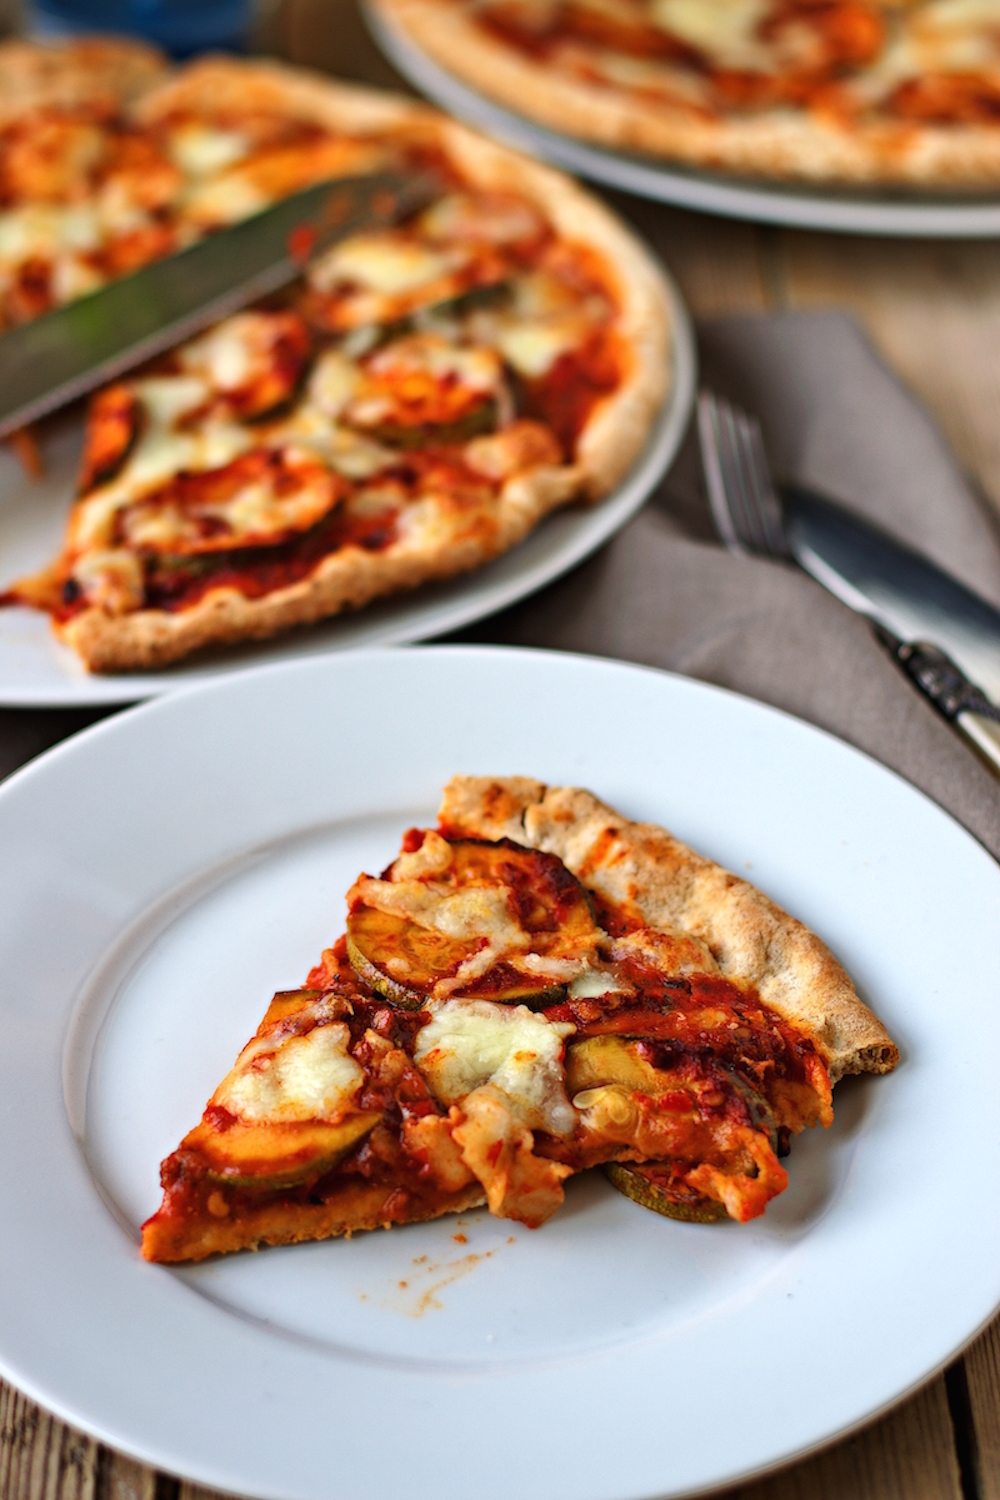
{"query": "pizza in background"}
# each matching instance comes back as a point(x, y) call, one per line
point(428, 395)
point(887, 92)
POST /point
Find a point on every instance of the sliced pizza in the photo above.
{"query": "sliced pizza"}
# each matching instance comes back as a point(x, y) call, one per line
point(902, 92)
point(418, 406)
point(535, 987)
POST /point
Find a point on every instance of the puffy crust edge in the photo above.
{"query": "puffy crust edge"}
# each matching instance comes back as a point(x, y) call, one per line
point(356, 1206)
point(610, 444)
point(672, 887)
point(780, 144)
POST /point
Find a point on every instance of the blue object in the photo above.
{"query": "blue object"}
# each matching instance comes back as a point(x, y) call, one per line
point(180, 27)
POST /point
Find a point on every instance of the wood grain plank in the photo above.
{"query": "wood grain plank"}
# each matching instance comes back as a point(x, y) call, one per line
point(41, 1458)
point(123, 1479)
point(908, 1454)
point(982, 1371)
point(932, 309)
point(719, 265)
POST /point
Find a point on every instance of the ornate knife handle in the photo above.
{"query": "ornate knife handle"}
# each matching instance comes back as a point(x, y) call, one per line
point(963, 704)
point(945, 684)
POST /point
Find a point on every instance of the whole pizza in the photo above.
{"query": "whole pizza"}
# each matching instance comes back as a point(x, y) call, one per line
point(413, 408)
point(898, 92)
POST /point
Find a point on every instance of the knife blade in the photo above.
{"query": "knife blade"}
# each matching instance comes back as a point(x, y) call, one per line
point(900, 589)
point(67, 352)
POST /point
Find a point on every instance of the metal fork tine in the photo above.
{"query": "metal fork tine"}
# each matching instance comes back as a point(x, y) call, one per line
point(768, 506)
point(740, 480)
point(745, 507)
point(723, 493)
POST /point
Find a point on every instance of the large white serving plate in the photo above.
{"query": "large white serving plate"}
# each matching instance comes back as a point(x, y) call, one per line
point(930, 215)
point(36, 670)
point(165, 871)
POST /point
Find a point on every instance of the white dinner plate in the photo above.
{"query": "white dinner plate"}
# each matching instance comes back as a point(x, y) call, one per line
point(36, 670)
point(925, 215)
point(168, 869)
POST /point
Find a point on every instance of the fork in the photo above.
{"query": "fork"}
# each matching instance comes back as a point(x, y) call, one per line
point(749, 517)
point(745, 508)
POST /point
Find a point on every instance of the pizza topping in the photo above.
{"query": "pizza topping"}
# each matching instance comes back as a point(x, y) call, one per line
point(469, 1043)
point(718, 1133)
point(500, 1068)
point(493, 218)
point(303, 1077)
point(253, 361)
point(255, 500)
point(423, 385)
point(491, 920)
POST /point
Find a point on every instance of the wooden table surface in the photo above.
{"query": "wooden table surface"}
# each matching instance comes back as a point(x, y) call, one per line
point(933, 308)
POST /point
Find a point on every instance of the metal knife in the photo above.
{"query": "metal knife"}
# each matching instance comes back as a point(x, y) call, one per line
point(945, 636)
point(63, 354)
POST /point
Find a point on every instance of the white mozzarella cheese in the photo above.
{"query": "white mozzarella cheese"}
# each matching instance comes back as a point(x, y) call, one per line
point(159, 452)
point(311, 1077)
point(201, 150)
point(725, 30)
point(382, 263)
point(469, 1043)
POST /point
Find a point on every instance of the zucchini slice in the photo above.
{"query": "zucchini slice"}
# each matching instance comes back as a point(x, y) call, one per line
point(271, 1156)
point(519, 890)
point(656, 1186)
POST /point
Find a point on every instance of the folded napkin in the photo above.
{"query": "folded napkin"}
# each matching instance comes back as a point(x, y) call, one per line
point(666, 594)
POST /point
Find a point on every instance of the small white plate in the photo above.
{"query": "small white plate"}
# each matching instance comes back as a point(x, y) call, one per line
point(35, 670)
point(165, 871)
point(879, 212)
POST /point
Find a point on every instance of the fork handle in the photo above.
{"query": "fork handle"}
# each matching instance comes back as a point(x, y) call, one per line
point(957, 699)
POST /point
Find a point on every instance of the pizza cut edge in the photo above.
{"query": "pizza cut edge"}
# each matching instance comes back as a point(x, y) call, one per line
point(616, 433)
point(457, 1099)
point(779, 144)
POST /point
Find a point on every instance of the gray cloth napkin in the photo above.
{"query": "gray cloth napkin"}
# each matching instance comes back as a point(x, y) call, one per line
point(665, 594)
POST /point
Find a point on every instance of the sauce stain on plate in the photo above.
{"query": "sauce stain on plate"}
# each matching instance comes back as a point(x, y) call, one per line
point(420, 1292)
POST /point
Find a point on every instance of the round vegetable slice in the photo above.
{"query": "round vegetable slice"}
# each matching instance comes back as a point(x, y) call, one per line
point(657, 1186)
point(470, 919)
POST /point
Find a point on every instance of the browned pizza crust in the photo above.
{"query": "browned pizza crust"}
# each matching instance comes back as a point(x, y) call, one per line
point(89, 70)
point(608, 447)
point(355, 1206)
point(672, 888)
point(780, 144)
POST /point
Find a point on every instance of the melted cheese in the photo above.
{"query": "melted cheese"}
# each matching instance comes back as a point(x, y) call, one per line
point(159, 452)
point(467, 913)
point(470, 1043)
point(533, 348)
point(224, 200)
point(48, 229)
point(227, 355)
point(383, 263)
point(311, 1077)
point(724, 30)
point(201, 150)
